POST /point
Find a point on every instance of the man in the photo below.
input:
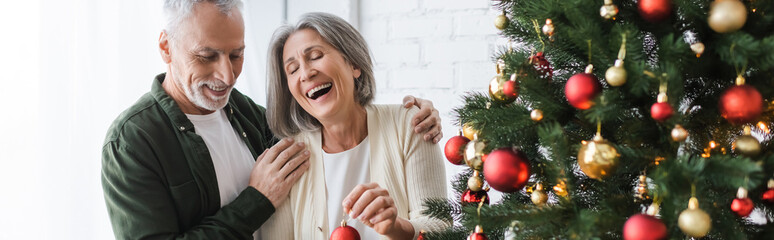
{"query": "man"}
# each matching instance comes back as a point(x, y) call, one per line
point(192, 158)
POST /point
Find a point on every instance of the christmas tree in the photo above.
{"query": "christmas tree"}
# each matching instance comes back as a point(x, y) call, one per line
point(645, 119)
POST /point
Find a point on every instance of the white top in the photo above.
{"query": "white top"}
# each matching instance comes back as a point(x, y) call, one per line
point(410, 168)
point(231, 158)
point(343, 172)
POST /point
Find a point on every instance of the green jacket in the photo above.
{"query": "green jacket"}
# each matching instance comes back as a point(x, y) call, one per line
point(158, 178)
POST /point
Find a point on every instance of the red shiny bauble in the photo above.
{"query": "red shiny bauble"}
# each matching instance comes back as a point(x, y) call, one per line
point(581, 89)
point(474, 197)
point(506, 170)
point(655, 10)
point(742, 206)
point(542, 65)
point(768, 196)
point(477, 236)
point(661, 111)
point(644, 227)
point(421, 235)
point(345, 233)
point(455, 149)
point(741, 104)
point(511, 89)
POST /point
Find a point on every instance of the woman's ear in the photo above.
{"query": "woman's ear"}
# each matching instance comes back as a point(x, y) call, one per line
point(356, 71)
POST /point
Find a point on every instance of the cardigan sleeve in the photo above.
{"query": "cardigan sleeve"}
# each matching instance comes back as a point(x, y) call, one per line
point(425, 174)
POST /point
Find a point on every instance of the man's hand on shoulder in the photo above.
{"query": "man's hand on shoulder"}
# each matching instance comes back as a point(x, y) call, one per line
point(278, 168)
point(427, 121)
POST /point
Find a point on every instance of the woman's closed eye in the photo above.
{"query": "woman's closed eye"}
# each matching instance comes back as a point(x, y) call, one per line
point(291, 68)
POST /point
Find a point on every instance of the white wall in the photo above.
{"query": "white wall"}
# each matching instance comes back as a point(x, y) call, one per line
point(70, 67)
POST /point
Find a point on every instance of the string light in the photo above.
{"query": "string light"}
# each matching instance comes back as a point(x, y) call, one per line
point(763, 127)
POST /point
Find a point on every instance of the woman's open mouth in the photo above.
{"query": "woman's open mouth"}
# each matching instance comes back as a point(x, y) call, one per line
point(319, 91)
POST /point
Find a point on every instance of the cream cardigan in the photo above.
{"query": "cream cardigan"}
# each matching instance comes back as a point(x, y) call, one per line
point(410, 168)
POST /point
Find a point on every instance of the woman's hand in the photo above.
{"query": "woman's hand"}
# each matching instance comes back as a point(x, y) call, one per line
point(373, 206)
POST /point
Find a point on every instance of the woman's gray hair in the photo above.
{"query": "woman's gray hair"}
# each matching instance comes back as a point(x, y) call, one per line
point(286, 121)
point(177, 11)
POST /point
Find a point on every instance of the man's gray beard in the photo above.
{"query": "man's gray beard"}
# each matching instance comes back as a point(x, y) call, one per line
point(197, 97)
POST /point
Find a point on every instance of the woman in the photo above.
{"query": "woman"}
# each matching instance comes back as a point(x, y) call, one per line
point(364, 160)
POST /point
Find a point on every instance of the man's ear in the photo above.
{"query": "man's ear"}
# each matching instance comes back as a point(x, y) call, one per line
point(164, 47)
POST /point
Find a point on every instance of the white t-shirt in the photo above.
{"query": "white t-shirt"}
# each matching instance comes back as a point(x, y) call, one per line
point(231, 158)
point(343, 172)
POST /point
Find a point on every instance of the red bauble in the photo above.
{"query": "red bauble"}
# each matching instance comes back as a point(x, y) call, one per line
point(644, 227)
point(474, 197)
point(768, 196)
point(421, 235)
point(581, 89)
point(455, 149)
point(511, 89)
point(655, 10)
point(661, 111)
point(506, 170)
point(741, 104)
point(742, 206)
point(477, 236)
point(542, 65)
point(345, 233)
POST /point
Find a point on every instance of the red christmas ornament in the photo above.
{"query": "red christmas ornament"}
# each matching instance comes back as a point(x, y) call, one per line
point(768, 196)
point(661, 111)
point(742, 206)
point(345, 232)
point(644, 227)
point(581, 88)
point(741, 104)
point(506, 170)
point(421, 235)
point(478, 234)
point(474, 197)
point(655, 10)
point(455, 149)
point(542, 65)
point(511, 89)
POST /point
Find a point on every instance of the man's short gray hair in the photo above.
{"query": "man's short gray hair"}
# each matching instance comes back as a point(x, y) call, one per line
point(285, 115)
point(176, 11)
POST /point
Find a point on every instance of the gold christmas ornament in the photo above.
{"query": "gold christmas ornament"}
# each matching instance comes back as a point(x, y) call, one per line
point(475, 183)
point(747, 145)
point(536, 115)
point(598, 158)
point(539, 196)
point(693, 221)
point(468, 131)
point(616, 75)
point(501, 22)
point(548, 29)
point(609, 10)
point(727, 16)
point(697, 48)
point(679, 133)
point(473, 153)
point(642, 187)
point(561, 189)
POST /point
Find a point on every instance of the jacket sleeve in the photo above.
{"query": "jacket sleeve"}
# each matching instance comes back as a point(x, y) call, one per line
point(425, 174)
point(141, 206)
